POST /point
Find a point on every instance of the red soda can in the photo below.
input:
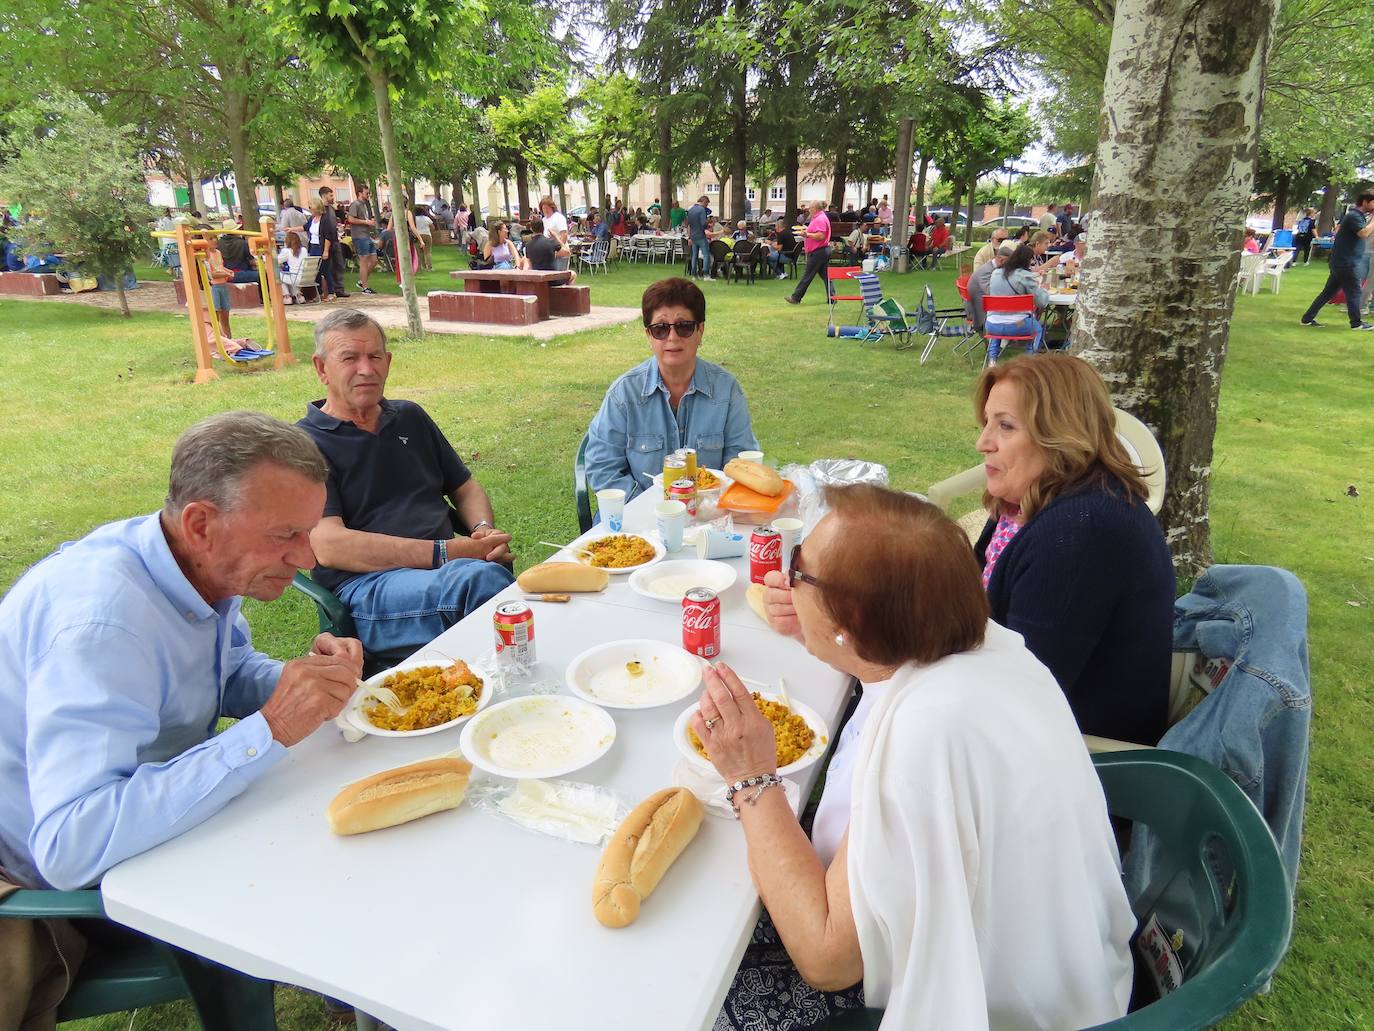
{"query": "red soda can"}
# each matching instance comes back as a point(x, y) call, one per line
point(514, 625)
point(765, 552)
point(686, 492)
point(701, 622)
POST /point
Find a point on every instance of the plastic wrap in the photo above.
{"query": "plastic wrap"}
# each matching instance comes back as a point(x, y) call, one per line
point(565, 809)
point(827, 472)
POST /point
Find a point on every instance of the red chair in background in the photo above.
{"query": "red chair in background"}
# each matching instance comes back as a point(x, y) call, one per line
point(1017, 304)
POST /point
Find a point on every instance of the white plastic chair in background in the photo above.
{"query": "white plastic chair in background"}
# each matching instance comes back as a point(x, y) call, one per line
point(1247, 279)
point(1272, 269)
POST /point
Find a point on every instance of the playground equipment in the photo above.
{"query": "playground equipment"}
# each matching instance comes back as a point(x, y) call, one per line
point(192, 245)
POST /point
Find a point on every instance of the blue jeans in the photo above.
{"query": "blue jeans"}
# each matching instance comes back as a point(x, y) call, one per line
point(1340, 277)
point(701, 248)
point(397, 611)
point(244, 275)
point(1019, 326)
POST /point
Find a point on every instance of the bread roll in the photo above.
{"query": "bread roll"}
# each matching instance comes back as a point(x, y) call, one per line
point(754, 596)
point(639, 854)
point(399, 796)
point(562, 576)
point(755, 475)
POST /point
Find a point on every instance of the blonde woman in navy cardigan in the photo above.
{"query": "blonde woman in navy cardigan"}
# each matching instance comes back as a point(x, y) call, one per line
point(1073, 560)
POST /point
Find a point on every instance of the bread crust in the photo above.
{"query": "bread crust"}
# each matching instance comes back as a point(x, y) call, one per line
point(399, 795)
point(640, 852)
point(564, 577)
point(755, 475)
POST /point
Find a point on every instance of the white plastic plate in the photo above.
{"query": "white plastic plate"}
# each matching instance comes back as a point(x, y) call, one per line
point(810, 756)
point(669, 581)
point(539, 736)
point(573, 555)
point(354, 710)
point(601, 675)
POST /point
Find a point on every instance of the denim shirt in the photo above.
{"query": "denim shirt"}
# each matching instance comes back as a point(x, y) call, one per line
point(1254, 724)
point(636, 426)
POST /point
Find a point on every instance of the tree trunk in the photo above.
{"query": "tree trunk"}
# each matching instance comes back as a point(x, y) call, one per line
point(972, 200)
point(505, 195)
point(666, 188)
point(456, 185)
point(791, 171)
point(739, 164)
point(601, 189)
point(278, 195)
point(240, 153)
point(399, 226)
point(587, 200)
point(958, 187)
point(906, 132)
point(563, 198)
point(1281, 199)
point(522, 184)
point(119, 292)
point(841, 177)
point(1326, 217)
point(921, 191)
point(476, 219)
point(1159, 340)
point(196, 198)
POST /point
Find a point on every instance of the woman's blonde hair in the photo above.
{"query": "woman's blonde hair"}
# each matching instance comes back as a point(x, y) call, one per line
point(316, 206)
point(1068, 413)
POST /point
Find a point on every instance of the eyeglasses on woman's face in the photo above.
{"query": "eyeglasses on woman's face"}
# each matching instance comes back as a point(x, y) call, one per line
point(683, 329)
point(795, 573)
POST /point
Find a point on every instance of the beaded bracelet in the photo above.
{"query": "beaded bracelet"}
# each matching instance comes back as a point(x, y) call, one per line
point(762, 782)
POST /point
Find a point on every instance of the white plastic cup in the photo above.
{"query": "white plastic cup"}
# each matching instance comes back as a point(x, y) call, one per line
point(611, 504)
point(752, 456)
point(791, 533)
point(713, 543)
point(672, 521)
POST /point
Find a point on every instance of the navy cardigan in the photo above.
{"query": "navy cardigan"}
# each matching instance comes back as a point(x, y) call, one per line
point(1089, 583)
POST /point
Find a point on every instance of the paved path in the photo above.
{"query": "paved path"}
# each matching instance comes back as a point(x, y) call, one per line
point(388, 310)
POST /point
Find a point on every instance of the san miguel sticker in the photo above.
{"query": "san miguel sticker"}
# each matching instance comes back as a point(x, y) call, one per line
point(1161, 956)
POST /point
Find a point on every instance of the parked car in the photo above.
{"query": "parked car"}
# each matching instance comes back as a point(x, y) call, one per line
point(578, 212)
point(1011, 221)
point(960, 219)
point(268, 208)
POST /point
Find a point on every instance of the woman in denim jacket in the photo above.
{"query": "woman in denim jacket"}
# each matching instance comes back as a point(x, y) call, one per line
point(668, 401)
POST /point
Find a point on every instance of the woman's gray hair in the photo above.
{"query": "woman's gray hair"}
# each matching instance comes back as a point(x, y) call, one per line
point(346, 319)
point(212, 458)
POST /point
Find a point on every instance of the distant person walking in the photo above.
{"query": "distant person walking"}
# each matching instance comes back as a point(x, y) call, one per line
point(699, 241)
point(1347, 257)
point(329, 231)
point(361, 222)
point(1049, 221)
point(817, 248)
point(1303, 234)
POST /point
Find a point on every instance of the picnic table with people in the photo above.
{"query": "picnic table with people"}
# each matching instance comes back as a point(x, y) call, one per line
point(591, 781)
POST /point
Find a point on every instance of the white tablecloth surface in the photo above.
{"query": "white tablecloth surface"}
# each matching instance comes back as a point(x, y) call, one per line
point(462, 920)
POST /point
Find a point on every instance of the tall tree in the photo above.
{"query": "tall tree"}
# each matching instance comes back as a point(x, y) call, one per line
point(1160, 340)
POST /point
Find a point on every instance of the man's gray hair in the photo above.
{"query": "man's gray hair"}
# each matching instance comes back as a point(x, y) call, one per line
point(347, 320)
point(211, 460)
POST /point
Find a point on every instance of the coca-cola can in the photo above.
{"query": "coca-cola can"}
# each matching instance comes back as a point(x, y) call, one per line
point(514, 625)
point(765, 552)
point(686, 492)
point(701, 622)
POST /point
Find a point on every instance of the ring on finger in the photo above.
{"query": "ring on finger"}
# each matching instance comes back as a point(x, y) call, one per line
point(711, 724)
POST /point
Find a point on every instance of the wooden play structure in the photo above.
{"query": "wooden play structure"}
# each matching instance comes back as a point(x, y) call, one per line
point(192, 244)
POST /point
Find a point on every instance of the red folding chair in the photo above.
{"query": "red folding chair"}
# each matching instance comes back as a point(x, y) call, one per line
point(1017, 304)
point(835, 277)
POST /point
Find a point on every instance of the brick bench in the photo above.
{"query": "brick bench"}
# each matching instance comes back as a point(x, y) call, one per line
point(241, 295)
point(570, 300)
point(470, 306)
point(29, 284)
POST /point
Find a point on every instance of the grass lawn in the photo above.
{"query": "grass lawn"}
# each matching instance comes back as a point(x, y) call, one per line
point(97, 400)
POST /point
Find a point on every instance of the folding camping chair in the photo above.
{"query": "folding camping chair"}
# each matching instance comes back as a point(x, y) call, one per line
point(941, 322)
point(835, 278)
point(883, 316)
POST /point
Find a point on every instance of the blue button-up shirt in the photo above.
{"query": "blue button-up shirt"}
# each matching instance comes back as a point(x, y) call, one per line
point(636, 426)
point(113, 673)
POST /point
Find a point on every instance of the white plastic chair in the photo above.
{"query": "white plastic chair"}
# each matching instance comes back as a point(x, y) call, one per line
point(1247, 279)
point(1273, 269)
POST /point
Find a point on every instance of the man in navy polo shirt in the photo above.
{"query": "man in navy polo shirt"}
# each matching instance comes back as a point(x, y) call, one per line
point(387, 544)
point(1347, 256)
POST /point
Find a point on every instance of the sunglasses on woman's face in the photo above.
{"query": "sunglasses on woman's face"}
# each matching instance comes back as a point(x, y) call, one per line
point(684, 329)
point(794, 571)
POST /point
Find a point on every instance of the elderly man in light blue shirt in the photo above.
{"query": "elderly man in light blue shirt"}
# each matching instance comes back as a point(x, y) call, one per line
point(121, 651)
point(669, 401)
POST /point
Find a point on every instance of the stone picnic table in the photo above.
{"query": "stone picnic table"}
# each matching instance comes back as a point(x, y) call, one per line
point(513, 281)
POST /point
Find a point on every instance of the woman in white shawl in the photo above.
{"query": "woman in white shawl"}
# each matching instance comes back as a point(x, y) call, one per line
point(962, 865)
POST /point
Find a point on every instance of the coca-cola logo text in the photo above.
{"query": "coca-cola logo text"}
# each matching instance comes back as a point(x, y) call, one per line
point(767, 550)
point(698, 619)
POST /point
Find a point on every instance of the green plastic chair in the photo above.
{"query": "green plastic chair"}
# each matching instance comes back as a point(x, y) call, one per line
point(134, 971)
point(580, 495)
point(334, 615)
point(1219, 881)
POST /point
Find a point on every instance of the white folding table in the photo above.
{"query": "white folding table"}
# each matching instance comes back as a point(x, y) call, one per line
point(462, 920)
